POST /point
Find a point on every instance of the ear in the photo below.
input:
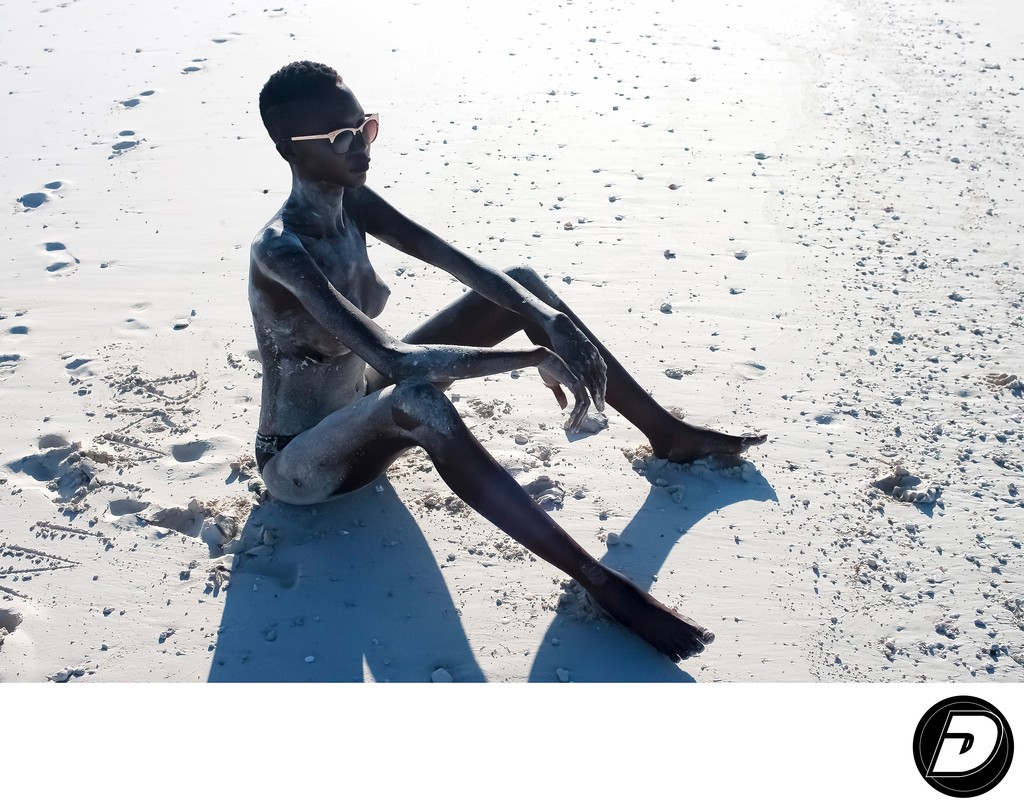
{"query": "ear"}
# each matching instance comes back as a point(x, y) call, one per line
point(287, 150)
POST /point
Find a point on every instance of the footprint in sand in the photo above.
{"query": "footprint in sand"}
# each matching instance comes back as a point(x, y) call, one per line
point(129, 142)
point(9, 622)
point(210, 457)
point(66, 263)
point(134, 322)
point(135, 101)
point(121, 507)
point(183, 322)
point(190, 452)
point(37, 199)
point(195, 67)
point(16, 330)
point(78, 367)
point(33, 200)
point(749, 370)
point(81, 372)
point(8, 364)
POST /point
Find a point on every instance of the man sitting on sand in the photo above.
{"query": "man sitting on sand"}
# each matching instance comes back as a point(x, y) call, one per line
point(342, 398)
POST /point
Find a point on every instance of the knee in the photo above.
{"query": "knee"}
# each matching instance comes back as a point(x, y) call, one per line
point(528, 277)
point(416, 404)
point(525, 275)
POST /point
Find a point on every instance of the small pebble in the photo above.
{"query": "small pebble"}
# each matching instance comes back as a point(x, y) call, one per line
point(441, 676)
point(310, 659)
point(666, 308)
point(562, 674)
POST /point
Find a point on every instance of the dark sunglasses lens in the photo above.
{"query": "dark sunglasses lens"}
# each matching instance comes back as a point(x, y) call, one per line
point(370, 131)
point(342, 142)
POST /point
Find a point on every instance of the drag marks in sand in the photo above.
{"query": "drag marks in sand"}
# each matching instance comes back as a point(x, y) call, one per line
point(117, 533)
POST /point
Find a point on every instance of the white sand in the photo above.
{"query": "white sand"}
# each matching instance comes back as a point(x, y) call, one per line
point(863, 159)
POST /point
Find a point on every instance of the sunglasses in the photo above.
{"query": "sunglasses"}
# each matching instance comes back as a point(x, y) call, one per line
point(341, 139)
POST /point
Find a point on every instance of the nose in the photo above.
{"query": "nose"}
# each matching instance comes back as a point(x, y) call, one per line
point(359, 144)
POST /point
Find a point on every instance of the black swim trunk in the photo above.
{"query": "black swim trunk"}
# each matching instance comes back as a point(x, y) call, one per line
point(269, 445)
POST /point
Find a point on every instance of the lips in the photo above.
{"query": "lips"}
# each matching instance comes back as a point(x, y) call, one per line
point(360, 165)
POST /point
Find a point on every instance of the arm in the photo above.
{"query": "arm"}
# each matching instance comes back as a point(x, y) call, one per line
point(282, 258)
point(393, 228)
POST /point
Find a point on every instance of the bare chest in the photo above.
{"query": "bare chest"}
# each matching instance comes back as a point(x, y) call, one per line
point(343, 259)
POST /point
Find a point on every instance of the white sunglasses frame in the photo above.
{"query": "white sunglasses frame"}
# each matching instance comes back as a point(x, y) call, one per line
point(331, 136)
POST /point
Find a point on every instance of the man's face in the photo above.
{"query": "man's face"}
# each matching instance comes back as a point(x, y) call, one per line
point(316, 159)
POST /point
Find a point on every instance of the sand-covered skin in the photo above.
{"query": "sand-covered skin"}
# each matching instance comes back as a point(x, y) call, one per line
point(802, 219)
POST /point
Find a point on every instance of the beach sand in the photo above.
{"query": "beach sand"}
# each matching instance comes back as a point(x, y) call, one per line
point(797, 218)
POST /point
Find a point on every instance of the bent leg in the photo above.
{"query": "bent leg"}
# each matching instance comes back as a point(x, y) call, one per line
point(350, 447)
point(474, 320)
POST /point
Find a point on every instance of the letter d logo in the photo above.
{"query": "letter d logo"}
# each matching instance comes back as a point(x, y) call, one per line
point(963, 746)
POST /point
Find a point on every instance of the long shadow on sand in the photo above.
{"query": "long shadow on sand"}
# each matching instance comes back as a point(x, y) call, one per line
point(351, 586)
point(350, 590)
point(599, 651)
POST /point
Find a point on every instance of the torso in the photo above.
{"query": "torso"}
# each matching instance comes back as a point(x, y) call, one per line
point(307, 372)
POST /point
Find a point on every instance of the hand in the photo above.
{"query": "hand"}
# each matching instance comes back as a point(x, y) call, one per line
point(581, 357)
point(554, 373)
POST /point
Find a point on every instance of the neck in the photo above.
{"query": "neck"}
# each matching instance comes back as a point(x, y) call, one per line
point(315, 206)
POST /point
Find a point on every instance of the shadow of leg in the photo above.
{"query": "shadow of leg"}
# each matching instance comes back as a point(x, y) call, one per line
point(344, 591)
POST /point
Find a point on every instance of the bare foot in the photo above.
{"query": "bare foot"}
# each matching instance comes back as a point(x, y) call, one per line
point(682, 443)
point(676, 636)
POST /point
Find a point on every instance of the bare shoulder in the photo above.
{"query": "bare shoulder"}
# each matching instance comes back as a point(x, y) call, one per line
point(273, 245)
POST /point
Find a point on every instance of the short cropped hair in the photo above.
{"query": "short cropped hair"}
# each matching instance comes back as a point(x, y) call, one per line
point(294, 82)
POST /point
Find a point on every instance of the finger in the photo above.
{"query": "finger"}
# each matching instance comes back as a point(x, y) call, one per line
point(599, 389)
point(597, 382)
point(580, 410)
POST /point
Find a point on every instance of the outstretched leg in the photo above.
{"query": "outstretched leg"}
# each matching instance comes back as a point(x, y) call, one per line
point(352, 446)
point(474, 320)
